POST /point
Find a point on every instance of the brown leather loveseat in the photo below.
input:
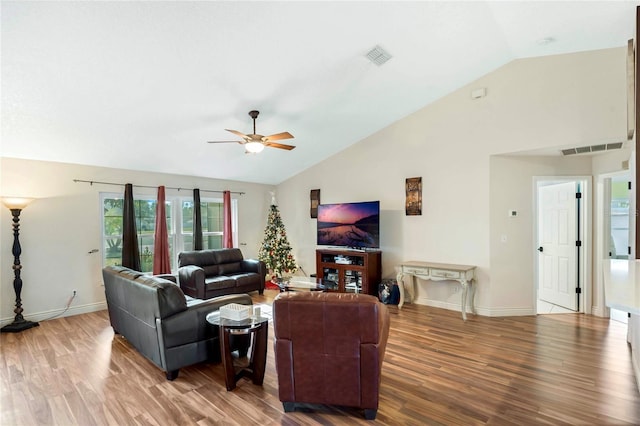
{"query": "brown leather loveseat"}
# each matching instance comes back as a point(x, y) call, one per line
point(329, 349)
point(204, 274)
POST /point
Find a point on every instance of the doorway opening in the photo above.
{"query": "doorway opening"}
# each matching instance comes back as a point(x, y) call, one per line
point(617, 223)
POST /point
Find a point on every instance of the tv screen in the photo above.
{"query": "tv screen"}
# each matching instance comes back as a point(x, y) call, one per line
point(354, 225)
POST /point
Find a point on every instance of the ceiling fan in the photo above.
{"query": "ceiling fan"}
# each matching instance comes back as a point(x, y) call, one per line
point(254, 143)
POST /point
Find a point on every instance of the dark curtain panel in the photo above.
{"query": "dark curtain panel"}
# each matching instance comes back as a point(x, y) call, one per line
point(130, 251)
point(227, 237)
point(161, 258)
point(197, 221)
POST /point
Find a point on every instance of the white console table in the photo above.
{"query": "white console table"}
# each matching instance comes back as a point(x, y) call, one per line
point(463, 274)
point(622, 292)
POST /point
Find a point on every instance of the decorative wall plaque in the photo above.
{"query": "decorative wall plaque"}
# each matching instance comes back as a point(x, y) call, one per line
point(315, 201)
point(413, 205)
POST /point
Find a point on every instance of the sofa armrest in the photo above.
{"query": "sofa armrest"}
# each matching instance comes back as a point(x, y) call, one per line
point(383, 327)
point(191, 325)
point(191, 279)
point(254, 265)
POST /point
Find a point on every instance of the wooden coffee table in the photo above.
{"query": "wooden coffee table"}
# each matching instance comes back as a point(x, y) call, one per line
point(258, 329)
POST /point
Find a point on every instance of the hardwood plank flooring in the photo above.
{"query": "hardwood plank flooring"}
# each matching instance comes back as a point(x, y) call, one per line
point(562, 369)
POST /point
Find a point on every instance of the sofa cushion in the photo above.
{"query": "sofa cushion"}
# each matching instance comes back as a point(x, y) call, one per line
point(211, 270)
point(244, 279)
point(229, 268)
point(126, 272)
point(230, 255)
point(219, 282)
point(171, 299)
point(201, 258)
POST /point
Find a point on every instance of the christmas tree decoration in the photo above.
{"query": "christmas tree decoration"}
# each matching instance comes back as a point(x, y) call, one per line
point(275, 251)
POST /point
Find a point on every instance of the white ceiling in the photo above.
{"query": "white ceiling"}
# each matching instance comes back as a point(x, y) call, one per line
point(143, 85)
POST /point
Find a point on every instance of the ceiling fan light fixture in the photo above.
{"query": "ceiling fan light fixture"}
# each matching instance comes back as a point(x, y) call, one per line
point(255, 143)
point(254, 147)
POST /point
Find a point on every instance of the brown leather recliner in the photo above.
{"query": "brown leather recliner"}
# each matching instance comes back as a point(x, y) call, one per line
point(329, 349)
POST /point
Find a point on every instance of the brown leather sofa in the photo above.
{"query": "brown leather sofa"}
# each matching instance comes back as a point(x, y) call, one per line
point(329, 349)
point(204, 274)
point(164, 325)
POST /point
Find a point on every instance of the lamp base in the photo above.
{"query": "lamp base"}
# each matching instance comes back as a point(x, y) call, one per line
point(18, 326)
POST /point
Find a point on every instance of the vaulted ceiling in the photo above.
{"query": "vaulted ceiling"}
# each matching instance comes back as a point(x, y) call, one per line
point(144, 85)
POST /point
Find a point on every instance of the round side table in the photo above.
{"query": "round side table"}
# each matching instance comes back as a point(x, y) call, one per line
point(258, 329)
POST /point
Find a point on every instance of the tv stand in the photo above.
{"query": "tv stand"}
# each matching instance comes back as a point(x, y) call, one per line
point(353, 270)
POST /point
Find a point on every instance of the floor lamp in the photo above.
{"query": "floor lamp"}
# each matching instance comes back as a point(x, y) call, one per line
point(16, 205)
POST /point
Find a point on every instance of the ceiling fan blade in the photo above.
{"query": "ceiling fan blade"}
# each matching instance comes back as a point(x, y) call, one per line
point(235, 132)
point(278, 137)
point(240, 142)
point(279, 145)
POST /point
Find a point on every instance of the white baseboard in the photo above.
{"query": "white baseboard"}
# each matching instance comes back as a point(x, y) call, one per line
point(59, 313)
point(500, 312)
point(599, 311)
point(635, 363)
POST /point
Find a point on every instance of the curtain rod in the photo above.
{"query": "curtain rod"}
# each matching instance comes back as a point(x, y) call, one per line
point(91, 182)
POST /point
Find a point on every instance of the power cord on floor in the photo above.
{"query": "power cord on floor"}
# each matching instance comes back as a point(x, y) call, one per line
point(300, 267)
point(66, 308)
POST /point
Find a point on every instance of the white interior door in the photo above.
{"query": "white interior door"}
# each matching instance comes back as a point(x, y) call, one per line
point(557, 232)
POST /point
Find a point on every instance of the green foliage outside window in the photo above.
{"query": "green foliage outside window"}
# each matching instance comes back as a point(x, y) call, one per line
point(145, 212)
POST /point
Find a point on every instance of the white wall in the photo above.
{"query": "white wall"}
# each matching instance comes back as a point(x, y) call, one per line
point(59, 229)
point(512, 262)
point(565, 100)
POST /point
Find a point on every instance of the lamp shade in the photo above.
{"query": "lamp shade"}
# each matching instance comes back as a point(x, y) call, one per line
point(18, 203)
point(254, 147)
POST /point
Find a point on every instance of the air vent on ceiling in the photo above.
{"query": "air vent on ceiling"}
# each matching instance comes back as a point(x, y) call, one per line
point(592, 148)
point(378, 55)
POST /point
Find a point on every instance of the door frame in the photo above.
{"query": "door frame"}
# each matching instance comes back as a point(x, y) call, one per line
point(585, 259)
point(601, 231)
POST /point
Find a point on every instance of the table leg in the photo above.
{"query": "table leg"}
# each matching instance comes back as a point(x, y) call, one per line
point(472, 286)
point(399, 279)
point(465, 289)
point(259, 353)
point(412, 288)
point(227, 358)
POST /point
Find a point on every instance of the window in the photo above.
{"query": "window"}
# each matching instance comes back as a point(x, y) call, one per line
point(179, 211)
point(212, 224)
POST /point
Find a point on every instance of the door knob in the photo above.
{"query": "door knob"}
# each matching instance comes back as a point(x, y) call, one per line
point(540, 249)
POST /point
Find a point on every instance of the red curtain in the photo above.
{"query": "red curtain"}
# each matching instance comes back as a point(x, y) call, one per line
point(227, 236)
point(161, 258)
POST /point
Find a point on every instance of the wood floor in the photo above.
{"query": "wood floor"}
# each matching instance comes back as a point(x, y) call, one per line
point(564, 369)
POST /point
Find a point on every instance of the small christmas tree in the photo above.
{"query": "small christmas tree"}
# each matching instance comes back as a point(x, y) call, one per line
point(275, 251)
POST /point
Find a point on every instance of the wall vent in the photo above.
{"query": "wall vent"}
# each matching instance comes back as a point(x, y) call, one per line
point(378, 55)
point(592, 148)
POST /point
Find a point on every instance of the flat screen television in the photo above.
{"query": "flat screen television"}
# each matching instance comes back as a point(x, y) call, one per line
point(355, 225)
